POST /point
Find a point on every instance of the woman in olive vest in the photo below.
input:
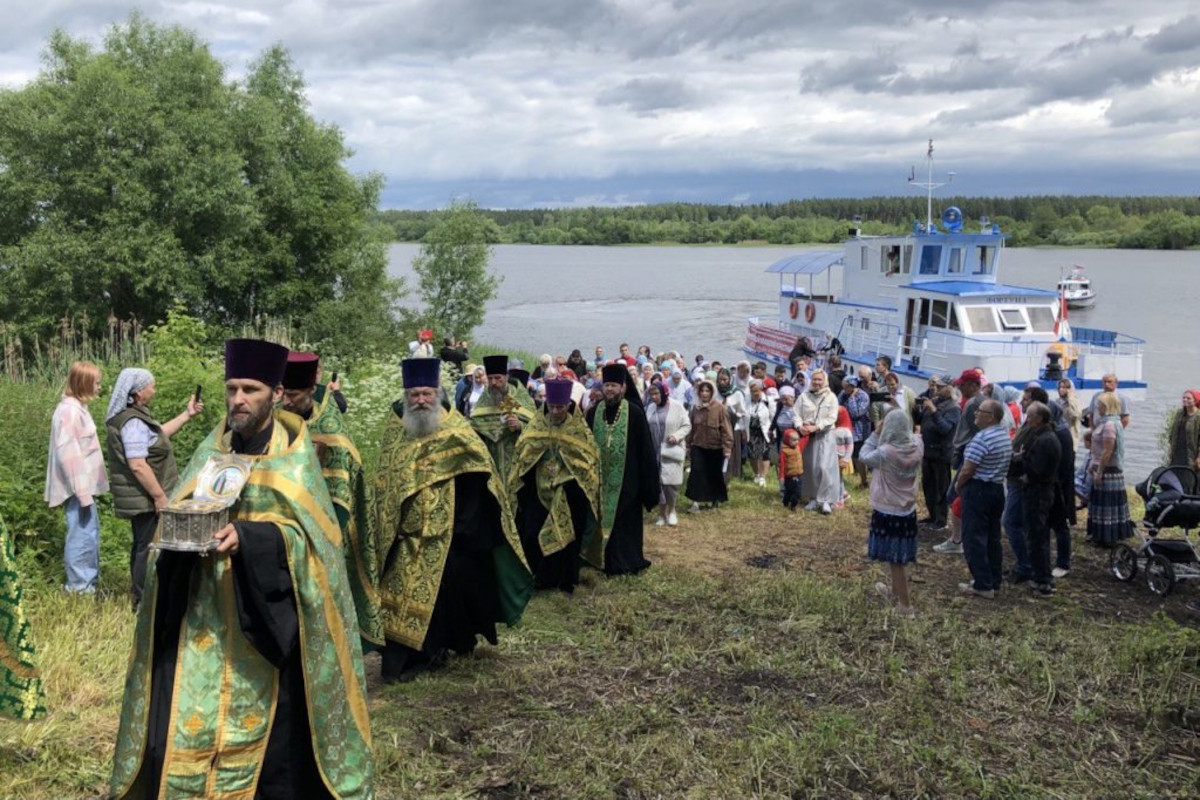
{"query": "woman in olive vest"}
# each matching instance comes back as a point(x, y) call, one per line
point(140, 462)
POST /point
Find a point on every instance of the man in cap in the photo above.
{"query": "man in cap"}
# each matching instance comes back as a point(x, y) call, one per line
point(246, 678)
point(342, 468)
point(969, 384)
point(628, 472)
point(555, 485)
point(448, 555)
point(937, 415)
point(501, 412)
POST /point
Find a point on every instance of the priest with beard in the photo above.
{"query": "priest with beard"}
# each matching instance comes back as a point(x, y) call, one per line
point(503, 410)
point(246, 678)
point(555, 484)
point(628, 474)
point(450, 563)
point(342, 468)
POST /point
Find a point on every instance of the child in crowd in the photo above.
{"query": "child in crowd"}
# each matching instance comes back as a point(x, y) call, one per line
point(791, 467)
point(843, 437)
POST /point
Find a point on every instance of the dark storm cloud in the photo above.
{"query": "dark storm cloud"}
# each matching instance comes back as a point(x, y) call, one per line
point(647, 95)
point(1181, 37)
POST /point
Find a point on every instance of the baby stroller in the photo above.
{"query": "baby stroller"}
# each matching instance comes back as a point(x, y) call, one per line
point(1172, 496)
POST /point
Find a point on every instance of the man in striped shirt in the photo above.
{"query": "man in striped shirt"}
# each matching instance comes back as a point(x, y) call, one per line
point(981, 484)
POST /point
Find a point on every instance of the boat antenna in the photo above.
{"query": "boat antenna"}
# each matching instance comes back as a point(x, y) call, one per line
point(929, 185)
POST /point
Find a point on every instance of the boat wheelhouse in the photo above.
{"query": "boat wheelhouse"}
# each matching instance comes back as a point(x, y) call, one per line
point(931, 300)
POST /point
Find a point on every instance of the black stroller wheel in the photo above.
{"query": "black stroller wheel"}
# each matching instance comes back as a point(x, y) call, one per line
point(1160, 575)
point(1123, 562)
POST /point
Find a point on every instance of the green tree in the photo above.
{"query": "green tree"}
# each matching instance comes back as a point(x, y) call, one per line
point(452, 269)
point(135, 176)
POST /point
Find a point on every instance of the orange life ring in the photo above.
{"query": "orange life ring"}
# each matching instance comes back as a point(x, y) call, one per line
point(810, 312)
point(794, 308)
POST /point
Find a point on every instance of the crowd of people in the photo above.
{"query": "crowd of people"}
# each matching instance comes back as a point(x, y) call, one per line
point(494, 481)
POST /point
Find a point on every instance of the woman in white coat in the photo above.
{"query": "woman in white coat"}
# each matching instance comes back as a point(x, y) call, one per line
point(758, 431)
point(669, 426)
point(818, 416)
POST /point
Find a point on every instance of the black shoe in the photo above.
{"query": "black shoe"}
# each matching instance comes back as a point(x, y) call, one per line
point(1044, 589)
point(1017, 580)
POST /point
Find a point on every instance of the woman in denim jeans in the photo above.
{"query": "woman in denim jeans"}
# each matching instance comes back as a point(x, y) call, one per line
point(75, 475)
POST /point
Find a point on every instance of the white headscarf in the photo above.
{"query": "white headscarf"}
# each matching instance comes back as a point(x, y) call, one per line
point(131, 381)
point(897, 433)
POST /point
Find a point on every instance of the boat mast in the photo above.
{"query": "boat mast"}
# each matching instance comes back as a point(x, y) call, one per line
point(929, 185)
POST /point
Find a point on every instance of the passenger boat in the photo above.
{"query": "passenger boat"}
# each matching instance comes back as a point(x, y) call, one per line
point(932, 300)
point(1077, 289)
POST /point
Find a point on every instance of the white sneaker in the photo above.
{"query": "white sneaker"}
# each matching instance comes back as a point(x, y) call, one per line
point(1059, 572)
point(812, 506)
point(694, 508)
point(672, 520)
point(825, 509)
point(658, 523)
point(948, 547)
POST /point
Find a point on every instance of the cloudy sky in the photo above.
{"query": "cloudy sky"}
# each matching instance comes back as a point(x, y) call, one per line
point(523, 103)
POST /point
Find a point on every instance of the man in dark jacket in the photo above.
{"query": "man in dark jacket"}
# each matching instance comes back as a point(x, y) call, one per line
point(937, 415)
point(1035, 462)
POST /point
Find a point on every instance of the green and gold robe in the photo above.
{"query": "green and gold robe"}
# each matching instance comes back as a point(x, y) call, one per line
point(489, 421)
point(560, 454)
point(225, 691)
point(21, 692)
point(341, 465)
point(413, 505)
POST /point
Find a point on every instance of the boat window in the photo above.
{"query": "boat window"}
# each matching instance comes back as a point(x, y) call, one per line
point(906, 268)
point(931, 258)
point(866, 324)
point(940, 309)
point(1012, 319)
point(866, 260)
point(955, 259)
point(954, 318)
point(987, 255)
point(890, 255)
point(1041, 318)
point(924, 318)
point(981, 318)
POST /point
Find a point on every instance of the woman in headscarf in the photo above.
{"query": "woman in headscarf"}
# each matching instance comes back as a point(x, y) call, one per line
point(1068, 402)
point(576, 364)
point(736, 407)
point(894, 456)
point(818, 416)
point(1108, 506)
point(141, 461)
point(709, 442)
point(758, 429)
point(669, 428)
point(1183, 432)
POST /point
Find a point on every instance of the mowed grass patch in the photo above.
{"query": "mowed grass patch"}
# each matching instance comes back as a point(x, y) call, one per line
point(752, 660)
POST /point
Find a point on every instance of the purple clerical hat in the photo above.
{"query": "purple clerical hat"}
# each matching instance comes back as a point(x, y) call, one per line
point(255, 359)
point(301, 371)
point(558, 393)
point(421, 372)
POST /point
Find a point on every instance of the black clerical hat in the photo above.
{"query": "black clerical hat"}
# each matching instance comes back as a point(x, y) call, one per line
point(495, 365)
point(615, 373)
point(301, 371)
point(421, 372)
point(255, 359)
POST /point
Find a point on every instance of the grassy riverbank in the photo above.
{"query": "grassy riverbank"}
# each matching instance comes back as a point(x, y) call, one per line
point(752, 660)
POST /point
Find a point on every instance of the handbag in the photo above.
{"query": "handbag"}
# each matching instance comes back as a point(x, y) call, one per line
point(675, 453)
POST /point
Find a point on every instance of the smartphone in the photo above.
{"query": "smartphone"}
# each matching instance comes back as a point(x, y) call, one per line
point(333, 378)
point(879, 397)
point(199, 389)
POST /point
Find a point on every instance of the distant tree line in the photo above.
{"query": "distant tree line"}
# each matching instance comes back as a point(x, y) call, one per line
point(1160, 223)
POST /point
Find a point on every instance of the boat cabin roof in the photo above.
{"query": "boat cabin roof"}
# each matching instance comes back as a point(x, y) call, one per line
point(967, 289)
point(812, 262)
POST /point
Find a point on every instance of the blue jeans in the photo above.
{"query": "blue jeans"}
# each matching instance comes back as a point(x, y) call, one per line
point(82, 549)
point(1014, 526)
point(983, 506)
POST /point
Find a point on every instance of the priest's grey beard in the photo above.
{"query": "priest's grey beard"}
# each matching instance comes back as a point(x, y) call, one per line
point(422, 421)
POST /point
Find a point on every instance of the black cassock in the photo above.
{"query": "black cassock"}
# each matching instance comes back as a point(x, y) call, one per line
point(639, 490)
point(467, 604)
point(559, 570)
point(266, 608)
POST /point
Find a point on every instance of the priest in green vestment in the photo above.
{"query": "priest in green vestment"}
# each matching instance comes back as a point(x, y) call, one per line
point(501, 413)
point(555, 485)
point(342, 468)
point(449, 555)
point(246, 677)
point(21, 692)
point(628, 473)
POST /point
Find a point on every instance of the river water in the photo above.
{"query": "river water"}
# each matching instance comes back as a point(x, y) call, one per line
point(697, 299)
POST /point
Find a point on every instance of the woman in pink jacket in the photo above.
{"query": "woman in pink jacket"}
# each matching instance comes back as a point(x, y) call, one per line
point(75, 475)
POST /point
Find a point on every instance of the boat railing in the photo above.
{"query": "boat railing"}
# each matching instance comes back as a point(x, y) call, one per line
point(1084, 341)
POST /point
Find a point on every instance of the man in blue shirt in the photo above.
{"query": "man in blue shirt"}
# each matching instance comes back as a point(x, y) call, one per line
point(981, 484)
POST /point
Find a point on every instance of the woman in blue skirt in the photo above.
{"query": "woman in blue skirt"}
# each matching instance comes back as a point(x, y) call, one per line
point(893, 455)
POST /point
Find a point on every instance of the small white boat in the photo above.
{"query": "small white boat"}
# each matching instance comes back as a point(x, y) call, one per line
point(1076, 288)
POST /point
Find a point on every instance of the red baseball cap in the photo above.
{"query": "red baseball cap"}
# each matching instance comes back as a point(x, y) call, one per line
point(970, 376)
